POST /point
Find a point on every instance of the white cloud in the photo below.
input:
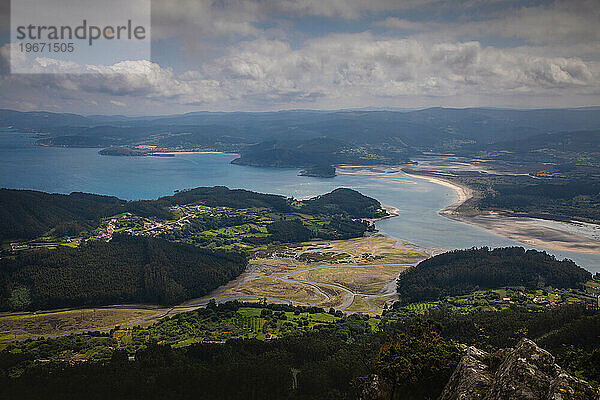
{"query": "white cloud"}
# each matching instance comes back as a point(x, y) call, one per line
point(348, 9)
point(200, 21)
point(333, 68)
point(561, 27)
point(338, 66)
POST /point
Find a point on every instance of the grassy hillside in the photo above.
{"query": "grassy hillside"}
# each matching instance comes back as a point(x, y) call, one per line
point(26, 214)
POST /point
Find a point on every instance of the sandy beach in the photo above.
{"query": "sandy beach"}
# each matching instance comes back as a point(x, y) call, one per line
point(564, 236)
point(464, 193)
point(533, 233)
point(192, 152)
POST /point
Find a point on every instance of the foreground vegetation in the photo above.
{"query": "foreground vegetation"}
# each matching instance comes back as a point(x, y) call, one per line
point(307, 352)
point(317, 354)
point(295, 352)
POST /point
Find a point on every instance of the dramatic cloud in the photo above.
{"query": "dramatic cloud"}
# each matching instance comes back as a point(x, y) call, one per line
point(336, 67)
point(268, 54)
point(201, 24)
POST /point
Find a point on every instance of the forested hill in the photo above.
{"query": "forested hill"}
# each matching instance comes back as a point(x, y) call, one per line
point(221, 196)
point(463, 271)
point(344, 201)
point(26, 214)
point(321, 151)
point(124, 270)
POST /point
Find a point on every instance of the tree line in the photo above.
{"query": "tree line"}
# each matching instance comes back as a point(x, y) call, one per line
point(460, 272)
point(126, 269)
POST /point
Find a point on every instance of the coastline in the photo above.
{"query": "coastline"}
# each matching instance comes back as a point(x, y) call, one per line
point(391, 210)
point(464, 193)
point(533, 232)
point(193, 152)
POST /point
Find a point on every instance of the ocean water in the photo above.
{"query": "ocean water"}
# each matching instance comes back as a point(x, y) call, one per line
point(64, 170)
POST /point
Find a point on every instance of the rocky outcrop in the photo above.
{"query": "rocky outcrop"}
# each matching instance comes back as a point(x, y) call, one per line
point(524, 373)
point(471, 379)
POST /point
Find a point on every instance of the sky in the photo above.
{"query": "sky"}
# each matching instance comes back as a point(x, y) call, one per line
point(263, 55)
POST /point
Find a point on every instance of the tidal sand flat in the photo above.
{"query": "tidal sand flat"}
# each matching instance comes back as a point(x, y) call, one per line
point(572, 237)
point(356, 275)
point(531, 232)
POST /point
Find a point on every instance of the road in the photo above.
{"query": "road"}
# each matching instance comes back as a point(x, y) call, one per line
point(348, 294)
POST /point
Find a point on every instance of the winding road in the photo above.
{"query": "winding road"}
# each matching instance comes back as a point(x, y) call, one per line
point(349, 295)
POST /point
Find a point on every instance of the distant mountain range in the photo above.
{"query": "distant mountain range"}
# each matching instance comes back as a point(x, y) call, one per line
point(293, 138)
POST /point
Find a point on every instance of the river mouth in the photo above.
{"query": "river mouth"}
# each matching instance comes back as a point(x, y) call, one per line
point(418, 202)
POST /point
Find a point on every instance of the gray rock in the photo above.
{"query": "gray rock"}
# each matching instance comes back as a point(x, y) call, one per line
point(526, 373)
point(471, 379)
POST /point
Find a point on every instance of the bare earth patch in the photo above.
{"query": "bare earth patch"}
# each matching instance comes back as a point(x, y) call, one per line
point(29, 325)
point(368, 280)
point(326, 274)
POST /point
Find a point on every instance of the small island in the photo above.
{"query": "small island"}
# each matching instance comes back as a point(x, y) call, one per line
point(319, 171)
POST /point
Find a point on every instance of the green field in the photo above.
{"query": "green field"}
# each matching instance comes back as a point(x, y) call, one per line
point(503, 298)
point(212, 324)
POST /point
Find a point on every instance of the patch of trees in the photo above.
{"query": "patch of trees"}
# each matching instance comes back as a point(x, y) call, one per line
point(567, 200)
point(460, 272)
point(570, 332)
point(127, 269)
point(344, 201)
point(340, 227)
point(289, 231)
point(416, 362)
point(26, 214)
point(490, 330)
point(221, 196)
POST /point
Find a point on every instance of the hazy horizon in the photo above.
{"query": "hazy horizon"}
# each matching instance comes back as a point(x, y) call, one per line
point(333, 110)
